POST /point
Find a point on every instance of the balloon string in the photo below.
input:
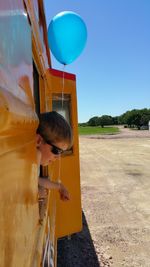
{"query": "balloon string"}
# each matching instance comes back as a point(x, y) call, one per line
point(59, 170)
point(63, 83)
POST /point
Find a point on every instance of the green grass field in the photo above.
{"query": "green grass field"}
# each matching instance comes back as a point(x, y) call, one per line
point(97, 130)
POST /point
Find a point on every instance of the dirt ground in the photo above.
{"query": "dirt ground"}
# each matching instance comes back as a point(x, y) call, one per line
point(115, 182)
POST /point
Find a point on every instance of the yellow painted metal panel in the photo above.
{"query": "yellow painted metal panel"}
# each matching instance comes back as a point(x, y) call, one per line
point(18, 196)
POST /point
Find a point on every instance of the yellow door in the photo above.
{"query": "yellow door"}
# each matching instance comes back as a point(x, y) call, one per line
point(68, 214)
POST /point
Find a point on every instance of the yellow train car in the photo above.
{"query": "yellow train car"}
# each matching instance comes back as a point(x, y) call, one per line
point(29, 86)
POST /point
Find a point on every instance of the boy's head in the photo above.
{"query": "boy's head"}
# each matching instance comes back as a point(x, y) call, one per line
point(54, 135)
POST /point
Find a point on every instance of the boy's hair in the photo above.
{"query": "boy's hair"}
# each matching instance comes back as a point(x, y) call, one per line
point(54, 128)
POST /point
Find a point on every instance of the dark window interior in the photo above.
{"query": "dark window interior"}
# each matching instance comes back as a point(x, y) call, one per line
point(36, 89)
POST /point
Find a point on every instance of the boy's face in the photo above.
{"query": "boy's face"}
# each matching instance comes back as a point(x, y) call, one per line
point(50, 152)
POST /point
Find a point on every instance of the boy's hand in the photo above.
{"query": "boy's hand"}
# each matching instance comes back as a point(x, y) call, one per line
point(64, 194)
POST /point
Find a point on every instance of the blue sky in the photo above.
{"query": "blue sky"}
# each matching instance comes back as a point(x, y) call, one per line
point(113, 71)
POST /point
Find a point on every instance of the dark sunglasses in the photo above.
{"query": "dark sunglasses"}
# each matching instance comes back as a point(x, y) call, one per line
point(55, 150)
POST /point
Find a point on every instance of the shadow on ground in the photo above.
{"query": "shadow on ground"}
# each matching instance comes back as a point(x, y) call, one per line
point(78, 251)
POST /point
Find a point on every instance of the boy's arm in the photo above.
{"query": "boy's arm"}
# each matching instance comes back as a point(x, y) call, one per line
point(63, 192)
point(46, 183)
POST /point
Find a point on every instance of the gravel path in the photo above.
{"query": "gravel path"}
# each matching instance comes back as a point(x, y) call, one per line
point(78, 251)
point(115, 199)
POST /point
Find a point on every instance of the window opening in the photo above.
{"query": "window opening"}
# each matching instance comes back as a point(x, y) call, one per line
point(43, 171)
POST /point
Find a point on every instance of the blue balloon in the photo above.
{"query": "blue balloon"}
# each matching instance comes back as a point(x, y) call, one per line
point(67, 35)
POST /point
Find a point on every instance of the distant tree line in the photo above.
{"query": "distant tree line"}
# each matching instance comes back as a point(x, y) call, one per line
point(134, 118)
